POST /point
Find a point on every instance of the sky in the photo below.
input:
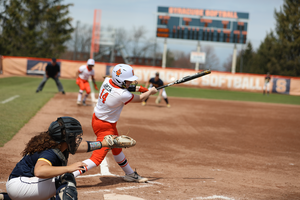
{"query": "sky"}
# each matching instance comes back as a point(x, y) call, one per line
point(129, 14)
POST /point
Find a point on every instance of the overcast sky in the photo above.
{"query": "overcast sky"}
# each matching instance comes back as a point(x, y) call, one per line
point(135, 13)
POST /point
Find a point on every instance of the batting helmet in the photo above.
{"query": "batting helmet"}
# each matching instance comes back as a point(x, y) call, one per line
point(66, 129)
point(90, 62)
point(122, 73)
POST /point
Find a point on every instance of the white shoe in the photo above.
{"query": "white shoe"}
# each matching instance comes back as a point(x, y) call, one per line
point(135, 177)
point(78, 103)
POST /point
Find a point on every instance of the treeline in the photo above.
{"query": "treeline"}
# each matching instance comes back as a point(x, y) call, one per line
point(279, 53)
point(42, 28)
point(34, 28)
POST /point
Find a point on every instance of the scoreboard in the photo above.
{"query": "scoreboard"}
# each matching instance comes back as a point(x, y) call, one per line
point(201, 24)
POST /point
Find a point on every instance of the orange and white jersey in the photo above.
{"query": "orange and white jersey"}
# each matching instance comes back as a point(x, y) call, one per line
point(85, 73)
point(111, 101)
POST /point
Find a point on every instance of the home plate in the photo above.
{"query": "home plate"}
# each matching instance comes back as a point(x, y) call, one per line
point(114, 196)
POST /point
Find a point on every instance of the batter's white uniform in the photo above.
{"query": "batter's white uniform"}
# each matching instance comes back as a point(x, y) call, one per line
point(111, 101)
point(85, 73)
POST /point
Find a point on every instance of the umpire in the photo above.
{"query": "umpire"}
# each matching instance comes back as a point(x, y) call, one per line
point(52, 71)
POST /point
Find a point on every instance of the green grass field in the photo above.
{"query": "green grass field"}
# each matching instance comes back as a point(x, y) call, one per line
point(16, 113)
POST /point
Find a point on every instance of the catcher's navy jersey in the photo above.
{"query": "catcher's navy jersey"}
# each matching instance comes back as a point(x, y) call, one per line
point(157, 83)
point(26, 166)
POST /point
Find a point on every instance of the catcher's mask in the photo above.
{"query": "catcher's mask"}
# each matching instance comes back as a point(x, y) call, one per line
point(66, 129)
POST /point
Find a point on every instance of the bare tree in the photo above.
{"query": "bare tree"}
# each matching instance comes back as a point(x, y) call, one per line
point(80, 42)
point(140, 44)
point(135, 43)
point(211, 61)
point(227, 65)
point(182, 60)
point(84, 39)
point(122, 37)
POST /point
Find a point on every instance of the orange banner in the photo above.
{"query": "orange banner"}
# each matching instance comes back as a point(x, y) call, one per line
point(218, 80)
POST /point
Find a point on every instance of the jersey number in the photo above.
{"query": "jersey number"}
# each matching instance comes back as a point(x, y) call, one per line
point(103, 96)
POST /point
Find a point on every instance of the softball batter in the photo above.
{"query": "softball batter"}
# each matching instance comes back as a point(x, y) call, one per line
point(113, 95)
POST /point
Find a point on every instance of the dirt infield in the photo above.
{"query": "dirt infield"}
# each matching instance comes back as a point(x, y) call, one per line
point(197, 149)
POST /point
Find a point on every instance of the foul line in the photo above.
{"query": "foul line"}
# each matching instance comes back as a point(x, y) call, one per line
point(213, 197)
point(92, 92)
point(10, 99)
point(140, 185)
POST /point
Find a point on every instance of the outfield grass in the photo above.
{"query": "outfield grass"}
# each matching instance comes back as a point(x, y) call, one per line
point(15, 114)
point(232, 95)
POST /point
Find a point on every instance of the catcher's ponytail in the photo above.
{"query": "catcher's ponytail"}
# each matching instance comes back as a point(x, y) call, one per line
point(40, 143)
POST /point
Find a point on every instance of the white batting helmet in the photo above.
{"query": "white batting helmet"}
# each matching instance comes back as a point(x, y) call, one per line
point(122, 73)
point(91, 61)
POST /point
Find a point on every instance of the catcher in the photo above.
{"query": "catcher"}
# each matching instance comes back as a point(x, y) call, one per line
point(157, 82)
point(43, 171)
point(82, 80)
point(114, 94)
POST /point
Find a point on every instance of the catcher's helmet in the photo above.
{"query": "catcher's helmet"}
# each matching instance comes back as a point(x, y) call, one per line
point(122, 73)
point(66, 129)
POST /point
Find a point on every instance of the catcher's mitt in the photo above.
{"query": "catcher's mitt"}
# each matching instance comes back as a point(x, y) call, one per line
point(121, 141)
point(158, 99)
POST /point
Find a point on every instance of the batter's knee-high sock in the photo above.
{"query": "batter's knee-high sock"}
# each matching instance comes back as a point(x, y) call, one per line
point(85, 96)
point(79, 95)
point(166, 100)
point(122, 161)
point(90, 165)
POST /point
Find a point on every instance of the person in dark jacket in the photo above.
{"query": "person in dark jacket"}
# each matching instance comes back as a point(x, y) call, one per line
point(52, 71)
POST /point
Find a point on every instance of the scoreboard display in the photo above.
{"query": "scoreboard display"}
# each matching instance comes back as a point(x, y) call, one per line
point(201, 24)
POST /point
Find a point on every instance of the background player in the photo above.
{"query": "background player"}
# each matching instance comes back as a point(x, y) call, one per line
point(113, 95)
point(267, 84)
point(157, 82)
point(52, 71)
point(83, 74)
point(43, 170)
